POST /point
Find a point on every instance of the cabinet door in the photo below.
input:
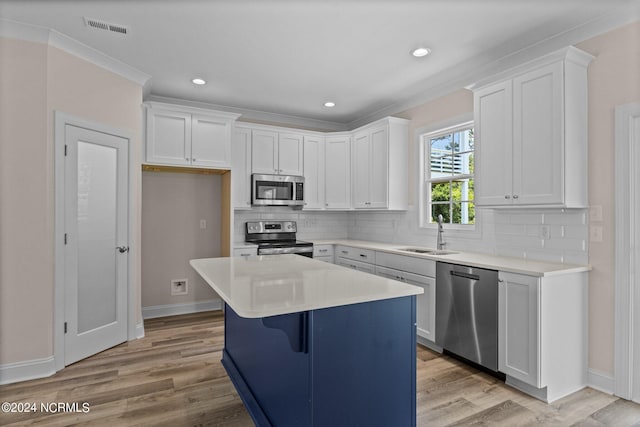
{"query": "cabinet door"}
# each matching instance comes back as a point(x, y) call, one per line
point(241, 169)
point(519, 327)
point(168, 137)
point(379, 168)
point(425, 302)
point(361, 169)
point(264, 146)
point(290, 154)
point(493, 135)
point(337, 173)
point(538, 150)
point(313, 172)
point(210, 142)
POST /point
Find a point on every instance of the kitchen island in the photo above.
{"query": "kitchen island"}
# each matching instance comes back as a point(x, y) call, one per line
point(313, 344)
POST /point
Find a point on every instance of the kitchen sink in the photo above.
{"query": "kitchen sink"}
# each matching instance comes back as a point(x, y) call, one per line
point(428, 251)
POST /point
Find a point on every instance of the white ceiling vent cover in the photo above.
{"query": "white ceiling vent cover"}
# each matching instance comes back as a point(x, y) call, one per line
point(102, 25)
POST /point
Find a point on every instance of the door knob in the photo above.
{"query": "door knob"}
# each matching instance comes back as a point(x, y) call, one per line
point(123, 249)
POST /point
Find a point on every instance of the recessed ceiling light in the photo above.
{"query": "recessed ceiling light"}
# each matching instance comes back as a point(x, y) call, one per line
point(329, 104)
point(421, 51)
point(198, 81)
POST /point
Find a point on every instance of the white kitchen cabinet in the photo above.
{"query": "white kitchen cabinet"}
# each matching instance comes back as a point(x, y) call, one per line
point(323, 253)
point(337, 170)
point(542, 333)
point(276, 153)
point(380, 156)
point(356, 258)
point(425, 302)
point(245, 251)
point(241, 168)
point(314, 178)
point(185, 136)
point(419, 272)
point(531, 134)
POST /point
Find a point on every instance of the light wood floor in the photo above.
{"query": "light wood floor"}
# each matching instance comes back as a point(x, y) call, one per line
point(173, 377)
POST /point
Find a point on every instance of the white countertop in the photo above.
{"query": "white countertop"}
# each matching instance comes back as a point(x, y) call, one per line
point(262, 286)
point(493, 262)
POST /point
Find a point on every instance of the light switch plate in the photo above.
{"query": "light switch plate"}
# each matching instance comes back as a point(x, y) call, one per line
point(595, 213)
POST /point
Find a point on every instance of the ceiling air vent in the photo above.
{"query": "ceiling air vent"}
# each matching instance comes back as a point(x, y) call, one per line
point(102, 25)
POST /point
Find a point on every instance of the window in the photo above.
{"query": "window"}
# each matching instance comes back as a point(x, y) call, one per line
point(448, 175)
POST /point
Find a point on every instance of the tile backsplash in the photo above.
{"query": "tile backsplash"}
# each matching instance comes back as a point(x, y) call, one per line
point(558, 235)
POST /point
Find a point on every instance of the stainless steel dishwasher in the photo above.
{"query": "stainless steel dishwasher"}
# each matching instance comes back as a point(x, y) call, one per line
point(467, 313)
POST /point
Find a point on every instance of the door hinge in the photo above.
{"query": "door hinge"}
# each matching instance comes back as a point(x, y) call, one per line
point(65, 238)
point(65, 327)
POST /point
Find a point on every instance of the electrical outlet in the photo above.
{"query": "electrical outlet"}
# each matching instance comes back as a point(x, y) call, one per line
point(595, 233)
point(179, 287)
point(545, 232)
point(203, 224)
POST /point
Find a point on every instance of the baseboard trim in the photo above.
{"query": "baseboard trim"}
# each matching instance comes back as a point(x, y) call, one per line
point(27, 370)
point(601, 381)
point(140, 330)
point(181, 308)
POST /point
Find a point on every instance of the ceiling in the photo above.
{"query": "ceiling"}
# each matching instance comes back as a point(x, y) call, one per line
point(288, 57)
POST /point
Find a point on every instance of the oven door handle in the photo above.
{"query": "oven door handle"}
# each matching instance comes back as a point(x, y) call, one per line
point(281, 251)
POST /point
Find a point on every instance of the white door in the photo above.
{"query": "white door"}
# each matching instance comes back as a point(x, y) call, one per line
point(635, 141)
point(96, 250)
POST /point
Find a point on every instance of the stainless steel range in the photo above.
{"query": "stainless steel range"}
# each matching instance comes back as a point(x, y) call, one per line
point(276, 238)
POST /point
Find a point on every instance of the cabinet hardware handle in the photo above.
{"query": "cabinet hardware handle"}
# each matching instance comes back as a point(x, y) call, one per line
point(363, 255)
point(322, 250)
point(515, 196)
point(500, 281)
point(122, 249)
point(506, 196)
point(344, 252)
point(193, 159)
point(186, 158)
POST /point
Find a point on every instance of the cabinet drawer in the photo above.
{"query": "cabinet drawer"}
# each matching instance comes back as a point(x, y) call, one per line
point(328, 259)
point(356, 265)
point(322, 251)
point(424, 267)
point(245, 251)
point(356, 254)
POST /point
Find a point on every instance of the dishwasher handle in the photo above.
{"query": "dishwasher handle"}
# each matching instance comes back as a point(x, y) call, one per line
point(465, 275)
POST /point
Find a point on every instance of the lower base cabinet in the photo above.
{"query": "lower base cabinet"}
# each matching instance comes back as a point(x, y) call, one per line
point(425, 303)
point(542, 334)
point(352, 365)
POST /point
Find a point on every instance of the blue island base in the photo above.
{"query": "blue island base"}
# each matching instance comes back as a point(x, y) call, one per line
point(352, 365)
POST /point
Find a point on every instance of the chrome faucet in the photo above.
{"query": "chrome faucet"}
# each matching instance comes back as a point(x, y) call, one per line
point(440, 241)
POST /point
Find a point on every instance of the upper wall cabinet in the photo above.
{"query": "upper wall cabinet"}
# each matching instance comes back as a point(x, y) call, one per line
point(314, 172)
point(531, 134)
point(241, 168)
point(380, 158)
point(276, 153)
point(337, 172)
point(186, 136)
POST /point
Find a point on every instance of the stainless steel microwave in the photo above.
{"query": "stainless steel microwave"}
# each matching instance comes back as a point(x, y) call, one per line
point(277, 190)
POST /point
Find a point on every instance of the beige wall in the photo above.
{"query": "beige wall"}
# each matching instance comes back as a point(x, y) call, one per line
point(614, 79)
point(36, 81)
point(26, 213)
point(172, 206)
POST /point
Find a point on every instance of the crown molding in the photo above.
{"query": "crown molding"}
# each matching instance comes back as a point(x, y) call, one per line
point(478, 68)
point(33, 33)
point(255, 116)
